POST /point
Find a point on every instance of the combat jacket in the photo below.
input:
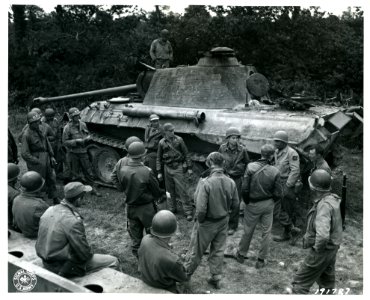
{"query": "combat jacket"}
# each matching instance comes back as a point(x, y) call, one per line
point(138, 183)
point(170, 157)
point(264, 185)
point(235, 159)
point(324, 223)
point(321, 164)
point(34, 145)
point(161, 50)
point(158, 264)
point(62, 236)
point(45, 128)
point(152, 137)
point(55, 126)
point(117, 168)
point(215, 196)
point(27, 211)
point(12, 193)
point(287, 162)
point(72, 133)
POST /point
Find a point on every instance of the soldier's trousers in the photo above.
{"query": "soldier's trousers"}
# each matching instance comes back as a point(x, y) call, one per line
point(212, 233)
point(285, 209)
point(254, 213)
point(43, 167)
point(317, 267)
point(80, 162)
point(175, 181)
point(234, 215)
point(139, 218)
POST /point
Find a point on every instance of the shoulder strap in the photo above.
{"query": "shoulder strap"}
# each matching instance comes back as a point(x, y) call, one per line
point(254, 174)
point(172, 148)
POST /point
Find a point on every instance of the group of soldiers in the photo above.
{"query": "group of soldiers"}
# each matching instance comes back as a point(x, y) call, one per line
point(262, 190)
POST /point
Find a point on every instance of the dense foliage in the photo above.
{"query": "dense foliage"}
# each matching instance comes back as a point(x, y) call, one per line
point(80, 48)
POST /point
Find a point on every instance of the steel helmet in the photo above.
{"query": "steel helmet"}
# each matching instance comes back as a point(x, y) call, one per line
point(216, 158)
point(136, 150)
point(33, 116)
point(153, 117)
point(320, 181)
point(74, 111)
point(164, 224)
point(281, 136)
point(232, 131)
point(49, 112)
point(36, 109)
point(267, 150)
point(13, 171)
point(130, 140)
point(32, 181)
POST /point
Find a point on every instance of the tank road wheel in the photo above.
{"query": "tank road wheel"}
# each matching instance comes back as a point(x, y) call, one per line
point(103, 161)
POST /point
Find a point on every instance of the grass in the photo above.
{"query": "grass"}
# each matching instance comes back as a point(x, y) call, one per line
point(106, 229)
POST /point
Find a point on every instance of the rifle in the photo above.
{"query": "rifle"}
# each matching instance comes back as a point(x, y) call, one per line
point(344, 199)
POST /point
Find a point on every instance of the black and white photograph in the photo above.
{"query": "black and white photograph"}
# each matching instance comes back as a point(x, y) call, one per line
point(163, 147)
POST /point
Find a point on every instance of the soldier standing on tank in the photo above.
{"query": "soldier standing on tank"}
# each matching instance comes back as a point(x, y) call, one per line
point(236, 159)
point(159, 265)
point(323, 237)
point(287, 162)
point(173, 155)
point(161, 51)
point(214, 197)
point(28, 207)
point(142, 190)
point(38, 153)
point(75, 137)
point(13, 191)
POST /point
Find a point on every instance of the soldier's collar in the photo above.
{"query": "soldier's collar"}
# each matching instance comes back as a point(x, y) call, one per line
point(216, 170)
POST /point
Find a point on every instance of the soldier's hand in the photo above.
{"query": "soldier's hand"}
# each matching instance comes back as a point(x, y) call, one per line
point(160, 177)
point(190, 171)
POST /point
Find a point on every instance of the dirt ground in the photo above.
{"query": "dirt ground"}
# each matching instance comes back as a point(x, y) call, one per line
point(105, 222)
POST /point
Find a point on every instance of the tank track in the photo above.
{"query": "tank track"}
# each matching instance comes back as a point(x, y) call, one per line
point(116, 143)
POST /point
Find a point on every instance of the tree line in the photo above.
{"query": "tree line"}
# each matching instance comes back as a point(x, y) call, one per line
point(78, 48)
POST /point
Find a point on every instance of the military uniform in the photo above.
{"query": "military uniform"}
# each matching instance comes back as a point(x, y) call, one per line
point(161, 53)
point(62, 243)
point(77, 152)
point(141, 190)
point(321, 164)
point(323, 237)
point(261, 187)
point(215, 196)
point(12, 149)
point(236, 161)
point(12, 193)
point(287, 162)
point(173, 154)
point(152, 137)
point(55, 139)
point(116, 170)
point(159, 265)
point(27, 211)
point(37, 152)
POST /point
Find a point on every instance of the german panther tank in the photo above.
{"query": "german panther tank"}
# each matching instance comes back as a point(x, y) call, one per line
point(201, 101)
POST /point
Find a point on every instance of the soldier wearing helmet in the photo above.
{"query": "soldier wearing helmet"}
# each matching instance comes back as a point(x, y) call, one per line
point(62, 244)
point(122, 162)
point(236, 159)
point(161, 51)
point(173, 155)
point(159, 266)
point(215, 196)
point(261, 188)
point(28, 206)
point(38, 153)
point(142, 191)
point(287, 162)
point(323, 237)
point(75, 138)
point(13, 191)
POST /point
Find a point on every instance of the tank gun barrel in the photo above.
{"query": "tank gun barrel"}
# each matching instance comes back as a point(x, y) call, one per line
point(109, 91)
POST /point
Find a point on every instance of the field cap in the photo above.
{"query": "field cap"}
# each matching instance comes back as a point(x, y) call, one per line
point(74, 189)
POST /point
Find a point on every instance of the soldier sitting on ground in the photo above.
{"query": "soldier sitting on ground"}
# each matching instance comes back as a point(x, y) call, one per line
point(158, 264)
point(61, 241)
point(28, 206)
point(13, 172)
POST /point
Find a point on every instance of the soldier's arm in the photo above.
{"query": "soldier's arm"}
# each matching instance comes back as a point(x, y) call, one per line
point(322, 225)
point(146, 134)
point(185, 152)
point(152, 51)
point(234, 197)
point(41, 208)
point(50, 149)
point(153, 185)
point(25, 151)
point(245, 185)
point(201, 202)
point(278, 188)
point(159, 158)
point(78, 242)
point(114, 176)
point(67, 140)
point(177, 271)
point(294, 174)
